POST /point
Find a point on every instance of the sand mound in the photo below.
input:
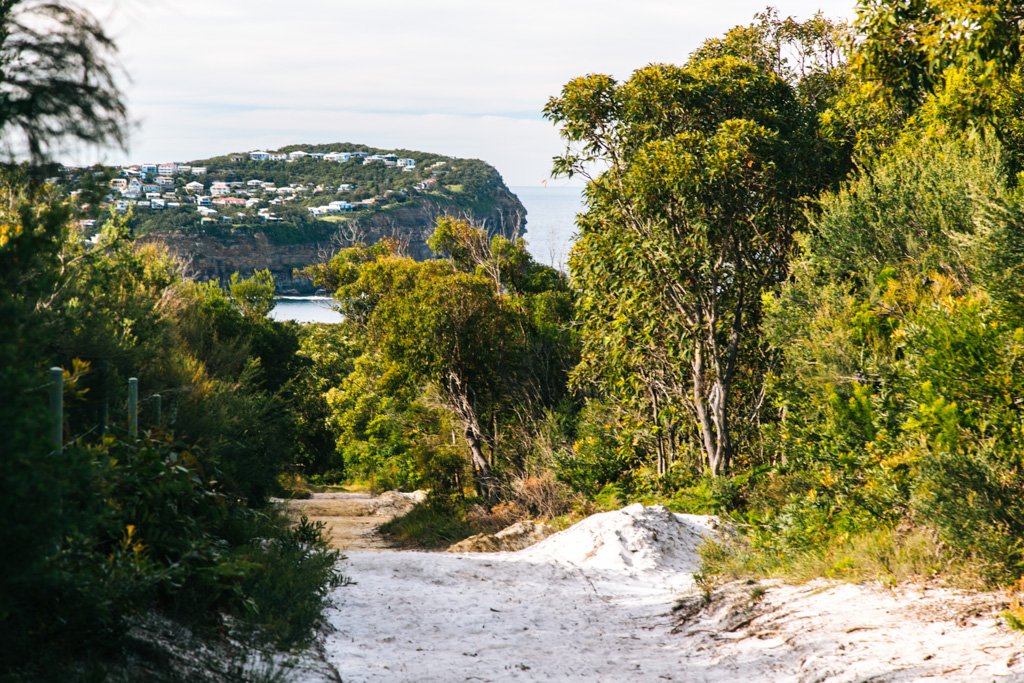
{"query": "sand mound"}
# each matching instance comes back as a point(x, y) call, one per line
point(634, 540)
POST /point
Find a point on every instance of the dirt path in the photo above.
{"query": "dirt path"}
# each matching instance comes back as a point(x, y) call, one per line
point(596, 603)
point(352, 519)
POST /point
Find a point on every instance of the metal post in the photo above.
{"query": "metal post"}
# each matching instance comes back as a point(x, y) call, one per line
point(157, 408)
point(104, 396)
point(133, 406)
point(57, 408)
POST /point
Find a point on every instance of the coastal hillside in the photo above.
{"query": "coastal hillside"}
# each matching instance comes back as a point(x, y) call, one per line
point(287, 208)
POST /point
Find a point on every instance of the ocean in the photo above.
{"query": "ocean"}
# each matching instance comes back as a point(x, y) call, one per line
point(550, 221)
point(550, 228)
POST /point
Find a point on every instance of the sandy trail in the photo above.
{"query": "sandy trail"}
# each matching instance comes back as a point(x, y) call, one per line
point(595, 603)
point(352, 519)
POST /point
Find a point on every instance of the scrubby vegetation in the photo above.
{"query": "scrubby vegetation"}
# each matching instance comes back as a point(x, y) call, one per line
point(794, 301)
point(112, 529)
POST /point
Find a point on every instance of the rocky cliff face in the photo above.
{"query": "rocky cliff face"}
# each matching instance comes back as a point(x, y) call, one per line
point(215, 255)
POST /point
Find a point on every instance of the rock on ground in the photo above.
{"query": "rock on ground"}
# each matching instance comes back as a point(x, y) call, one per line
point(512, 538)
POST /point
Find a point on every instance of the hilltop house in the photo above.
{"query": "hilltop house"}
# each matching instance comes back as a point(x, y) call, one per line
point(198, 170)
point(167, 169)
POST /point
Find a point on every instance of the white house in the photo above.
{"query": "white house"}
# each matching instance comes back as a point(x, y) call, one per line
point(165, 181)
point(259, 155)
point(167, 169)
point(220, 189)
point(277, 156)
point(407, 164)
point(297, 154)
point(195, 187)
point(204, 201)
point(148, 169)
point(198, 170)
point(335, 207)
point(254, 183)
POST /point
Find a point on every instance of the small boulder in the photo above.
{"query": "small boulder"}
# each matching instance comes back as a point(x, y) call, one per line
point(510, 539)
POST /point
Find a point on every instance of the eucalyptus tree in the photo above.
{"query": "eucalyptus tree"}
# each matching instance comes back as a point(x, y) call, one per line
point(689, 221)
point(909, 46)
point(481, 329)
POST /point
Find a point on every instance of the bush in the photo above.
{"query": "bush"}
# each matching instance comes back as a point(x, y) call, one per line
point(148, 529)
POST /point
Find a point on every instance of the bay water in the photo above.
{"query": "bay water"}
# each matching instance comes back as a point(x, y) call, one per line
point(550, 229)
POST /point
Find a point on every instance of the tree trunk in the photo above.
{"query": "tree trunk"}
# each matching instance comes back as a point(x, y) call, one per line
point(461, 404)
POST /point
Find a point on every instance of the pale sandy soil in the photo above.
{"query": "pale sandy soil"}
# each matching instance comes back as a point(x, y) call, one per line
point(352, 519)
point(595, 603)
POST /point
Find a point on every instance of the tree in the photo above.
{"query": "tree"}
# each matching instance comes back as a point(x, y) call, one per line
point(254, 295)
point(908, 45)
point(57, 83)
point(689, 223)
point(482, 331)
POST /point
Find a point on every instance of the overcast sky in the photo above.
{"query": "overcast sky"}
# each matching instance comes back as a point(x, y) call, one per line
point(463, 78)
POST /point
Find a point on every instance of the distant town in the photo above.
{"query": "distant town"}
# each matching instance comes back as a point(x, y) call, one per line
point(179, 186)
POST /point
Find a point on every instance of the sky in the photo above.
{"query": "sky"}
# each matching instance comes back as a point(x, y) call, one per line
point(463, 78)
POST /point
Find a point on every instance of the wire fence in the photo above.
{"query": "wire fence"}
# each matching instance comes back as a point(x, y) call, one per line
point(129, 426)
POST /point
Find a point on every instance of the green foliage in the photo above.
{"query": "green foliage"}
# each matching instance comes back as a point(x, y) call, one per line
point(475, 344)
point(689, 224)
point(434, 524)
point(253, 295)
point(909, 46)
point(111, 529)
point(899, 385)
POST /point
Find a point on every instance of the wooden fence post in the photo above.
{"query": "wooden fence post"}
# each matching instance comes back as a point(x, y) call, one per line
point(57, 408)
point(133, 407)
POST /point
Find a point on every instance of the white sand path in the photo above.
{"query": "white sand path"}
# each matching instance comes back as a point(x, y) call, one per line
point(594, 603)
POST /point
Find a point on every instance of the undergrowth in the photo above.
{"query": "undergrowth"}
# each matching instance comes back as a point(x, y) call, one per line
point(433, 524)
point(886, 555)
